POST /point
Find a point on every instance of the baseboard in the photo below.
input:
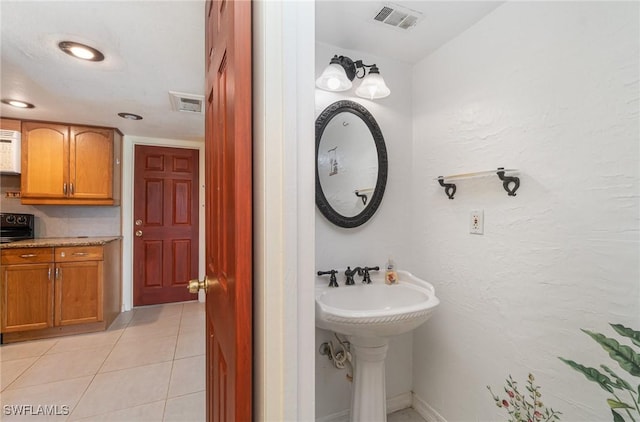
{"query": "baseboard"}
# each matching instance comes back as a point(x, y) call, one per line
point(427, 412)
point(399, 402)
point(336, 417)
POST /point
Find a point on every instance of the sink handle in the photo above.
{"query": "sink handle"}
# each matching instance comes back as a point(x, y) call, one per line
point(333, 282)
point(366, 278)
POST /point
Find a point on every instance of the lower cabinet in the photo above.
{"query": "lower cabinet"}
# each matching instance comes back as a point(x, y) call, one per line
point(61, 290)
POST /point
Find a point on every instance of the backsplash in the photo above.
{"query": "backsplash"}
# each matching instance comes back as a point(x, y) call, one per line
point(62, 220)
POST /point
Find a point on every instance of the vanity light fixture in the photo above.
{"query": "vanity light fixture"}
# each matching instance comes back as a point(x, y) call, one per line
point(16, 103)
point(342, 70)
point(81, 51)
point(130, 116)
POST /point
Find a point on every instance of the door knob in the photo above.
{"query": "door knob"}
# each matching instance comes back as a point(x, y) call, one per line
point(195, 284)
point(138, 222)
point(138, 233)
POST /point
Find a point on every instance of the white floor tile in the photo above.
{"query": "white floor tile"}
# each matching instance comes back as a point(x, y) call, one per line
point(12, 369)
point(60, 394)
point(187, 376)
point(190, 344)
point(134, 352)
point(25, 349)
point(189, 408)
point(62, 366)
point(151, 412)
point(117, 390)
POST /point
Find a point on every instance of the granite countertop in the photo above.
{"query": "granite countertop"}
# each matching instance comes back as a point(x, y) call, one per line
point(49, 242)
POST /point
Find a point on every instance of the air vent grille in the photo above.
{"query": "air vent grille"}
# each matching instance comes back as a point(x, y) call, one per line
point(189, 103)
point(398, 16)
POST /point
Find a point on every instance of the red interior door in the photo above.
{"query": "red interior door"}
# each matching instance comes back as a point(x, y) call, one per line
point(228, 210)
point(165, 209)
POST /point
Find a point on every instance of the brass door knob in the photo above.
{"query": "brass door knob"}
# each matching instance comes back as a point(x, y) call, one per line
point(138, 233)
point(195, 284)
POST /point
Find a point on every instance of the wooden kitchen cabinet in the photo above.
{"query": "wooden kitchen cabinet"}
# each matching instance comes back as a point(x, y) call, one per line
point(26, 289)
point(48, 292)
point(70, 165)
point(78, 285)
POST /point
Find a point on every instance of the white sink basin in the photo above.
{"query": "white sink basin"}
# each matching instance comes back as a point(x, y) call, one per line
point(376, 309)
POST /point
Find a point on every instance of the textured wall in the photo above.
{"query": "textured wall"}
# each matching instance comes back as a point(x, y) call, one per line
point(384, 235)
point(550, 88)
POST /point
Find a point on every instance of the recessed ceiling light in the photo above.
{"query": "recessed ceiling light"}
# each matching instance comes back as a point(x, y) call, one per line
point(130, 116)
point(17, 103)
point(81, 51)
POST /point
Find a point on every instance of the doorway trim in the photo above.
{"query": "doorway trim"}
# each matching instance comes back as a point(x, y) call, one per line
point(129, 144)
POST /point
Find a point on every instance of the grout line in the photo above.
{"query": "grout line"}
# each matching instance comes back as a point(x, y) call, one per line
point(98, 370)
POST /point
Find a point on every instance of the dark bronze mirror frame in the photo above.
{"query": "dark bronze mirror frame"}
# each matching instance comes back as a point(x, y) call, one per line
point(321, 201)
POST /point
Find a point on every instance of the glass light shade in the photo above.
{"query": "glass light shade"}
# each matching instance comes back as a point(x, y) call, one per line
point(334, 78)
point(373, 87)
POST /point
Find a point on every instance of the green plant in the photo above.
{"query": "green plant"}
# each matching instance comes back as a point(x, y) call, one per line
point(524, 408)
point(627, 359)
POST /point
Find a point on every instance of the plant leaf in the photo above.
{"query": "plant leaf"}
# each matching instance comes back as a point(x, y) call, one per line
point(620, 383)
point(614, 404)
point(624, 355)
point(616, 416)
point(592, 374)
point(627, 332)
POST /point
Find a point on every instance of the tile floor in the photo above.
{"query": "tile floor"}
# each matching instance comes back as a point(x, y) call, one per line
point(405, 415)
point(148, 366)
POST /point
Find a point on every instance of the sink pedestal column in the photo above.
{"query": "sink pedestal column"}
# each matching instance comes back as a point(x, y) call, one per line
point(368, 401)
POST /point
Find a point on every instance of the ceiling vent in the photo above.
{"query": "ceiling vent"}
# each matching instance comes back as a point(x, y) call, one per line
point(189, 103)
point(398, 16)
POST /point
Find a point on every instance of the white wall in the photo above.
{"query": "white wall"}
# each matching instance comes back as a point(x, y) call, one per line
point(283, 211)
point(383, 236)
point(550, 88)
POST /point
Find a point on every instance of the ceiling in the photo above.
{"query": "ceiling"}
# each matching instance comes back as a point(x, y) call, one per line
point(350, 25)
point(153, 47)
point(150, 48)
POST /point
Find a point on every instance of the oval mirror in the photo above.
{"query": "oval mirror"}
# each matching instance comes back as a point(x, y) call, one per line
point(351, 164)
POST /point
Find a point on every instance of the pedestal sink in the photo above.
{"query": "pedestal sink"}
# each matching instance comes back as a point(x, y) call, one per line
point(369, 314)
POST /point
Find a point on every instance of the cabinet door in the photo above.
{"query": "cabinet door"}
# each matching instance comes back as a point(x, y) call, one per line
point(91, 163)
point(45, 160)
point(78, 292)
point(26, 296)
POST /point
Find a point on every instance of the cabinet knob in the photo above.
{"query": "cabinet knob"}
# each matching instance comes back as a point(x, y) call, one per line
point(138, 233)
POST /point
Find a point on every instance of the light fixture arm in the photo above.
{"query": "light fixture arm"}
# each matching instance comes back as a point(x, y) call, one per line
point(352, 68)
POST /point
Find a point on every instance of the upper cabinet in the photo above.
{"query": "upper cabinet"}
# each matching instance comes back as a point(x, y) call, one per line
point(70, 165)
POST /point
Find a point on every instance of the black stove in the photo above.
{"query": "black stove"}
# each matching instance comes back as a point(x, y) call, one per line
point(15, 227)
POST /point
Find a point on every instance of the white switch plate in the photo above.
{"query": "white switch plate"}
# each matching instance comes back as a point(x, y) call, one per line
point(476, 222)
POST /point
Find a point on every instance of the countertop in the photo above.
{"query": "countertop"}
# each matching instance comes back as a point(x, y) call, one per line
point(49, 242)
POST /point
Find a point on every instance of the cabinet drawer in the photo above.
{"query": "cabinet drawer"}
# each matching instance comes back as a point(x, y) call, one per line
point(79, 253)
point(26, 255)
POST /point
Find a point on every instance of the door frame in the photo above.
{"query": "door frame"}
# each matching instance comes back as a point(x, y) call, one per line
point(128, 149)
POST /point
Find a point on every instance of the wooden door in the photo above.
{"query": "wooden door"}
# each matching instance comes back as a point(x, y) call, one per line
point(78, 293)
point(27, 297)
point(45, 160)
point(165, 249)
point(90, 163)
point(228, 145)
